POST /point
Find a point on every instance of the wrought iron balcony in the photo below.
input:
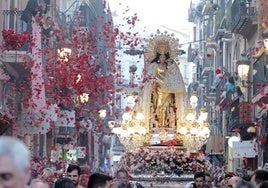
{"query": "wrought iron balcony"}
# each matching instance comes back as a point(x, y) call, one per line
point(219, 90)
point(11, 19)
point(260, 78)
point(240, 118)
point(209, 7)
point(207, 66)
point(223, 20)
point(244, 18)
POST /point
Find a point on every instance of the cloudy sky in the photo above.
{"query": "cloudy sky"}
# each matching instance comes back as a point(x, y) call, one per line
point(170, 15)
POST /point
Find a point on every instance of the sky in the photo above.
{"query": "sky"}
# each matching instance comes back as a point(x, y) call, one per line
point(170, 15)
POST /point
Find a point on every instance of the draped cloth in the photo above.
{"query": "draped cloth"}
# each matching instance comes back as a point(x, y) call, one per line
point(164, 89)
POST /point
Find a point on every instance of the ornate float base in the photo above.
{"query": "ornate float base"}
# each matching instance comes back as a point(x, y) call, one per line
point(162, 181)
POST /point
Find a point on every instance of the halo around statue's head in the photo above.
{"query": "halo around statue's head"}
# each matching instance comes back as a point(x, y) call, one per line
point(162, 43)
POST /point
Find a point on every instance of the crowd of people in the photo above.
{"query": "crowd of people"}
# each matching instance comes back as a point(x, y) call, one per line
point(16, 172)
point(258, 179)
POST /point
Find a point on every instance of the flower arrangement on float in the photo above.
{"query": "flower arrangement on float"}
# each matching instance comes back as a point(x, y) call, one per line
point(163, 162)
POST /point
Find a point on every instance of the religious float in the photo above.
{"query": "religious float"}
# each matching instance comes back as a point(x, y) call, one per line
point(161, 133)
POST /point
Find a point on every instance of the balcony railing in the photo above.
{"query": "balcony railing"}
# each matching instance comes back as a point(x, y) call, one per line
point(12, 20)
point(243, 15)
point(219, 90)
point(260, 78)
point(239, 118)
point(208, 65)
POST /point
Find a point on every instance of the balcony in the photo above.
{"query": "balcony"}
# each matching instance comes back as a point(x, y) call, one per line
point(223, 20)
point(239, 118)
point(209, 7)
point(11, 21)
point(219, 90)
point(207, 66)
point(260, 78)
point(244, 18)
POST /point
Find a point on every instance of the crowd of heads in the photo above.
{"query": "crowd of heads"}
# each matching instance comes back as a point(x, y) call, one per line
point(15, 172)
point(257, 179)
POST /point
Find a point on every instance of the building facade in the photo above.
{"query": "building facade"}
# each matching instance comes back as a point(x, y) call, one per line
point(57, 91)
point(229, 36)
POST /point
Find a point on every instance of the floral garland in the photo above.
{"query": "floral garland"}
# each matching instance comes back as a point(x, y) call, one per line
point(13, 40)
point(163, 162)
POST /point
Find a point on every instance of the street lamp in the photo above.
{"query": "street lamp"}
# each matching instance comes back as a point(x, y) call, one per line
point(243, 66)
point(102, 113)
point(64, 53)
point(193, 99)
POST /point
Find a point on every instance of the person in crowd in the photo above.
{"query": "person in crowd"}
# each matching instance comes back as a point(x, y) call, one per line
point(199, 180)
point(122, 178)
point(259, 176)
point(208, 180)
point(229, 88)
point(74, 172)
point(15, 170)
point(219, 181)
point(264, 184)
point(47, 30)
point(64, 183)
point(244, 184)
point(230, 84)
point(224, 180)
point(38, 183)
point(233, 181)
point(189, 184)
point(48, 175)
point(98, 180)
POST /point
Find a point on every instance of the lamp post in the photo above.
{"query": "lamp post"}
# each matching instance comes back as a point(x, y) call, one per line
point(102, 113)
point(243, 67)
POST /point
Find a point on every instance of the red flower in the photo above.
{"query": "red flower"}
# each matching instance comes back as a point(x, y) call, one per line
point(258, 124)
point(13, 40)
point(236, 130)
point(218, 71)
point(262, 139)
point(262, 105)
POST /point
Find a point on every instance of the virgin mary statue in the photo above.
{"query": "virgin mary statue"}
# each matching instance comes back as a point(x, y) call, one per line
point(162, 98)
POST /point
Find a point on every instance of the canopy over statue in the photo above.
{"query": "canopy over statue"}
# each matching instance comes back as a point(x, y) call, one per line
point(162, 98)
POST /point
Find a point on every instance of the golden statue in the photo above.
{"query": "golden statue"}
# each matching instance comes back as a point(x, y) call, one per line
point(163, 95)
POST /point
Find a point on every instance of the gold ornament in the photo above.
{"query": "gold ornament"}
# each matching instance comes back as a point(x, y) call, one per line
point(162, 43)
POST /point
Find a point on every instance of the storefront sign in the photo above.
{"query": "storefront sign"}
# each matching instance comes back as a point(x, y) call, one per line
point(242, 149)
